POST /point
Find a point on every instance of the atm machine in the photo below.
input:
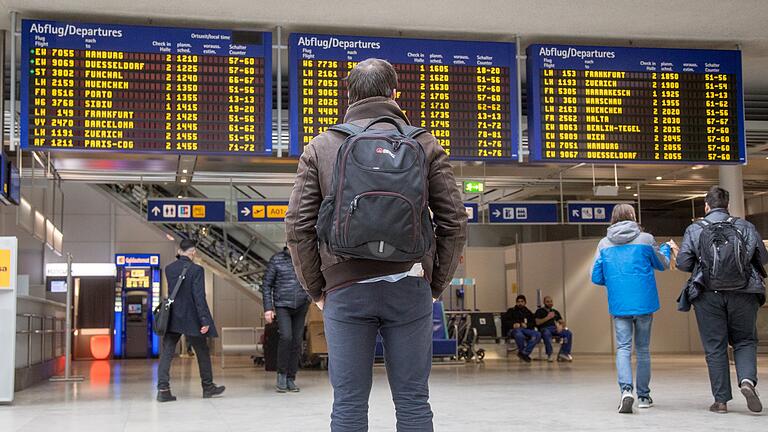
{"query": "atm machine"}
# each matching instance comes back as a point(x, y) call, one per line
point(137, 293)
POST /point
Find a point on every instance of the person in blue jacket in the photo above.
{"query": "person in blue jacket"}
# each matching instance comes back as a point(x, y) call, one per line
point(625, 262)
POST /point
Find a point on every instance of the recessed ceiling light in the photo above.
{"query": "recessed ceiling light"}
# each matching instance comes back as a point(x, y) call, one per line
point(628, 187)
point(659, 177)
point(183, 180)
point(180, 197)
point(634, 195)
point(184, 171)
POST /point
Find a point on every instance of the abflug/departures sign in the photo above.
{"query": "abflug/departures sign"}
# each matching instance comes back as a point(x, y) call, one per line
point(465, 93)
point(103, 87)
point(612, 104)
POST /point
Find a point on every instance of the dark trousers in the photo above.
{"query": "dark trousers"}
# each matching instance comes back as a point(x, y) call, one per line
point(290, 323)
point(202, 352)
point(402, 313)
point(728, 318)
point(521, 335)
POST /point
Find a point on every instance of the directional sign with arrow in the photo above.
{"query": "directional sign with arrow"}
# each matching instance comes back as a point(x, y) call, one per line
point(590, 212)
point(531, 212)
point(261, 211)
point(473, 212)
point(184, 210)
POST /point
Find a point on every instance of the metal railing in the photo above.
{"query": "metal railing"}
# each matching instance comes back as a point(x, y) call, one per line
point(236, 248)
point(48, 351)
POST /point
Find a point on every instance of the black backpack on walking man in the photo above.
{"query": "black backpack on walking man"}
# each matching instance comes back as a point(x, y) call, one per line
point(724, 259)
point(377, 208)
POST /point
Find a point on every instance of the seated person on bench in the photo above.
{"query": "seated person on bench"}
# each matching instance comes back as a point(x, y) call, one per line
point(551, 324)
point(522, 328)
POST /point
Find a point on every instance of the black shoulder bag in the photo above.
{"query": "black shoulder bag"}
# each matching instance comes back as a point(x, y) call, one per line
point(162, 313)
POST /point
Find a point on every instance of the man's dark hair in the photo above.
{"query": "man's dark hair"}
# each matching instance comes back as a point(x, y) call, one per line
point(717, 197)
point(187, 244)
point(371, 77)
point(521, 297)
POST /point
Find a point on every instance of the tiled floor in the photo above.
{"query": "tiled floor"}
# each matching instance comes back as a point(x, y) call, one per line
point(496, 396)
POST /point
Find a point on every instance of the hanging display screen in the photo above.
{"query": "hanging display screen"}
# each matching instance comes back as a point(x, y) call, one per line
point(464, 93)
point(100, 87)
point(606, 104)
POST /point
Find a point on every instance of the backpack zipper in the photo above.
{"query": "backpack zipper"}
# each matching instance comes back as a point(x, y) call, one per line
point(354, 204)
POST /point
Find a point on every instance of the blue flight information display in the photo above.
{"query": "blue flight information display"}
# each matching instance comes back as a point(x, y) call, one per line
point(464, 93)
point(103, 87)
point(620, 105)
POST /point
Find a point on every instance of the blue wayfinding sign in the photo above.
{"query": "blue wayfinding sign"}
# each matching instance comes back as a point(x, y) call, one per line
point(589, 212)
point(473, 209)
point(523, 213)
point(261, 211)
point(183, 210)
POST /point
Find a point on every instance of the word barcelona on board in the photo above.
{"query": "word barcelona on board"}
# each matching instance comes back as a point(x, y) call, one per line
point(145, 89)
point(134, 89)
point(602, 104)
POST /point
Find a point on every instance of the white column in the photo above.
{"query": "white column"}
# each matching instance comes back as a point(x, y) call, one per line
point(8, 273)
point(732, 181)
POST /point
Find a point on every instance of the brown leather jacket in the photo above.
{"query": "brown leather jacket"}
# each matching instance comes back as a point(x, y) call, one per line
point(319, 270)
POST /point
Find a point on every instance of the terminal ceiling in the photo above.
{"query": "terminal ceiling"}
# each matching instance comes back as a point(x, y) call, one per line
point(662, 23)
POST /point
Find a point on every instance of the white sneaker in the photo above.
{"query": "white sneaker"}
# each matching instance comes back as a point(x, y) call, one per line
point(551, 358)
point(565, 358)
point(626, 402)
point(644, 402)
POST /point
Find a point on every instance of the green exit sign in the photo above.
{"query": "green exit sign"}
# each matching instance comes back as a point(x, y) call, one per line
point(474, 187)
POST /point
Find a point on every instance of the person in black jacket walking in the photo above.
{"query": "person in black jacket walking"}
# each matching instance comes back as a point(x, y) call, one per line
point(191, 317)
point(726, 316)
point(286, 300)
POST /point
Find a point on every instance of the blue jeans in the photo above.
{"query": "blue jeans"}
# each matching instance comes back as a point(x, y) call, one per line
point(402, 313)
point(566, 339)
point(521, 334)
point(625, 327)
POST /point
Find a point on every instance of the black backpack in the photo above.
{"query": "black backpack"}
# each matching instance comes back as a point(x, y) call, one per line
point(377, 208)
point(724, 259)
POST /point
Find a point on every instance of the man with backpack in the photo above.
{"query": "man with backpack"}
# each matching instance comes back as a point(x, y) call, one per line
point(726, 256)
point(368, 251)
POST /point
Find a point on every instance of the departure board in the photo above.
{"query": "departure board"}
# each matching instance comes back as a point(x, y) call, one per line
point(131, 89)
point(620, 105)
point(464, 93)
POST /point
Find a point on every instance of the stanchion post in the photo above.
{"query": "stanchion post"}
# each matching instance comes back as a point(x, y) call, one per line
point(68, 377)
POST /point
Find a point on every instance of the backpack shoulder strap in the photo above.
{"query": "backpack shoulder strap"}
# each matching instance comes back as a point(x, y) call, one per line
point(413, 131)
point(178, 283)
point(731, 219)
point(703, 223)
point(348, 129)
